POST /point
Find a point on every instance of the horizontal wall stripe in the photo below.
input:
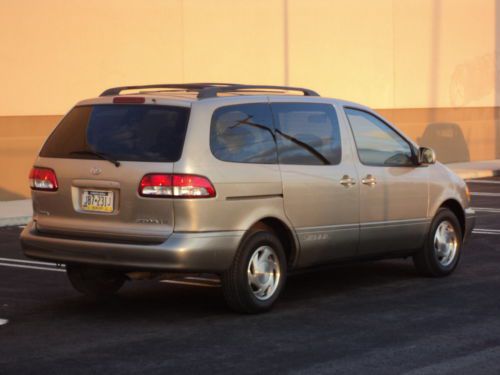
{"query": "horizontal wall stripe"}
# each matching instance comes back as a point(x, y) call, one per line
point(456, 134)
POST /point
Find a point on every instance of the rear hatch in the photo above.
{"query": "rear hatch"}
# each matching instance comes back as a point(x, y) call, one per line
point(99, 154)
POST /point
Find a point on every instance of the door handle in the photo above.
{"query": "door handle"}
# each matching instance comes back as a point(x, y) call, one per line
point(347, 181)
point(369, 180)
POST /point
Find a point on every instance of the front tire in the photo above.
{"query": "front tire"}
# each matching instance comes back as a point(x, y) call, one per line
point(93, 282)
point(442, 249)
point(257, 276)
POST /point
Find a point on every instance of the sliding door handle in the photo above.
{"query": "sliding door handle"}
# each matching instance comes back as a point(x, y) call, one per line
point(347, 181)
point(369, 180)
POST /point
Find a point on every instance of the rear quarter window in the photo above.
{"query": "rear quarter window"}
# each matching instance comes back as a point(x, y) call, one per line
point(307, 133)
point(244, 134)
point(123, 132)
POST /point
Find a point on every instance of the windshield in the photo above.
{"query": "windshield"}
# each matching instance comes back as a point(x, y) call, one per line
point(121, 132)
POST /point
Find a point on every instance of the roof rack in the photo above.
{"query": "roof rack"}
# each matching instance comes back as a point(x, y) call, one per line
point(212, 91)
point(185, 86)
point(208, 90)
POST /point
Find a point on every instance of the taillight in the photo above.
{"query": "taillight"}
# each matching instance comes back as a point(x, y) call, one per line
point(176, 186)
point(43, 179)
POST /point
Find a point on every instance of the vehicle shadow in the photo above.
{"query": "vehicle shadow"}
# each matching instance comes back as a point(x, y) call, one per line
point(447, 140)
point(346, 281)
point(160, 302)
point(7, 195)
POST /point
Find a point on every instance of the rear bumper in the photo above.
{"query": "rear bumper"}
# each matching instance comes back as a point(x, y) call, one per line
point(470, 222)
point(186, 252)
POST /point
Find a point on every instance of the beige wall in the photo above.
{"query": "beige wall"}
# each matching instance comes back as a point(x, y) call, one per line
point(420, 61)
point(20, 140)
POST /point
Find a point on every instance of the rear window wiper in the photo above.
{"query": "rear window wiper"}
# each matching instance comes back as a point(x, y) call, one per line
point(98, 154)
point(305, 146)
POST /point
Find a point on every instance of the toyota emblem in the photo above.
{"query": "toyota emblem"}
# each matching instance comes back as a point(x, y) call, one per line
point(95, 171)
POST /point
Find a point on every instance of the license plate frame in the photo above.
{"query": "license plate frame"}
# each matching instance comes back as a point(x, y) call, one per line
point(97, 200)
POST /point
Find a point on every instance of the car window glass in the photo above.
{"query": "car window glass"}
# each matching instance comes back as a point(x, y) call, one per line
point(307, 133)
point(376, 142)
point(243, 133)
point(123, 132)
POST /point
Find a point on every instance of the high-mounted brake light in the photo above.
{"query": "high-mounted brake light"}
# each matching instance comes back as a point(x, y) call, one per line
point(176, 186)
point(43, 179)
point(129, 100)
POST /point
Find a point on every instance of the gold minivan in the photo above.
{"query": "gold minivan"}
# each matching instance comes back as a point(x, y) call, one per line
point(244, 182)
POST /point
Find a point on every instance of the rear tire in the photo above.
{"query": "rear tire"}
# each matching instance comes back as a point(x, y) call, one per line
point(257, 275)
point(441, 252)
point(94, 282)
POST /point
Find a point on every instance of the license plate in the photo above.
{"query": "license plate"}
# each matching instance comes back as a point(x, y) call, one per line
point(97, 201)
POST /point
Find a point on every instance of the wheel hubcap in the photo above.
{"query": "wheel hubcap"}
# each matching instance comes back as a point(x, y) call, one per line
point(445, 243)
point(263, 272)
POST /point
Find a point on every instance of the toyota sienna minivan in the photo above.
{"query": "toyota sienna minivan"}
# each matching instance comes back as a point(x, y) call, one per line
point(243, 182)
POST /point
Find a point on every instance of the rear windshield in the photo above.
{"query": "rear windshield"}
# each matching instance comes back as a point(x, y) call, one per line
point(122, 132)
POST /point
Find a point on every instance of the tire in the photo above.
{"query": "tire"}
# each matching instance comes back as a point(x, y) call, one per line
point(93, 282)
point(245, 289)
point(442, 249)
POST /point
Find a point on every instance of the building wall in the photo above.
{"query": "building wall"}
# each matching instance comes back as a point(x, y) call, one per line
point(431, 66)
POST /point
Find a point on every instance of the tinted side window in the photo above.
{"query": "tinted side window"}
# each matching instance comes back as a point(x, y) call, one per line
point(307, 133)
point(376, 142)
point(244, 134)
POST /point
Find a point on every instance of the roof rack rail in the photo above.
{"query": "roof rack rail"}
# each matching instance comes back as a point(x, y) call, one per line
point(212, 91)
point(207, 90)
point(186, 86)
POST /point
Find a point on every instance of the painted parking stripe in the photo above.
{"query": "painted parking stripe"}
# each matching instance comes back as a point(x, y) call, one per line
point(27, 261)
point(486, 209)
point(484, 181)
point(486, 231)
point(180, 282)
point(485, 194)
point(13, 265)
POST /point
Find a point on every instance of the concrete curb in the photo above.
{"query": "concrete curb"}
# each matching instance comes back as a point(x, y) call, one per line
point(10, 221)
point(476, 169)
point(17, 212)
point(468, 175)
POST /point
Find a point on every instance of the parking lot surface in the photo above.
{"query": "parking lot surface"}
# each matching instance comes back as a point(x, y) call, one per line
point(374, 317)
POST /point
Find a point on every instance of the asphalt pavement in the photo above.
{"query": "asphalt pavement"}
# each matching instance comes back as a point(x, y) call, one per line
point(375, 317)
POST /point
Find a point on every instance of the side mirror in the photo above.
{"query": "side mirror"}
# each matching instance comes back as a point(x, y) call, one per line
point(426, 155)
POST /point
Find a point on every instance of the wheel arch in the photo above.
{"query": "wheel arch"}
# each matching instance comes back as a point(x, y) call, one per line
point(454, 206)
point(285, 234)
